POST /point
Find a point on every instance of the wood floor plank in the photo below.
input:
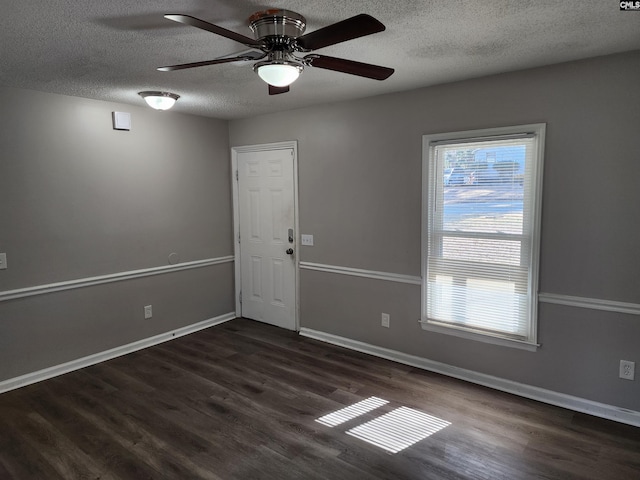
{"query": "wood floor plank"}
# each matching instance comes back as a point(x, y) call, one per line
point(227, 419)
point(18, 455)
point(234, 424)
point(279, 428)
point(143, 428)
point(241, 401)
point(119, 456)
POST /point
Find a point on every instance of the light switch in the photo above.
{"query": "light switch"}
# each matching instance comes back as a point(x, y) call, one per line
point(3, 261)
point(307, 240)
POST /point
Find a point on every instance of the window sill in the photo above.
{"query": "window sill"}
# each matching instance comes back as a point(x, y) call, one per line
point(458, 332)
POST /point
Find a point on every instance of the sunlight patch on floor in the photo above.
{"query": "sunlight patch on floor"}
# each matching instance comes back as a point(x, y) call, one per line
point(393, 431)
point(352, 411)
point(398, 429)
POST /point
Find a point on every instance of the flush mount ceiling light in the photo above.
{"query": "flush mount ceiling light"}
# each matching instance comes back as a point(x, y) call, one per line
point(160, 100)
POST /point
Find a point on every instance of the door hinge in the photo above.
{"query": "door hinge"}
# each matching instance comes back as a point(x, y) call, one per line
point(238, 237)
point(240, 297)
point(236, 175)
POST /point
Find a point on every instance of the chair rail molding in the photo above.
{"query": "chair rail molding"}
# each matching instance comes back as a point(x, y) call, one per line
point(114, 277)
point(554, 298)
point(357, 272)
point(592, 303)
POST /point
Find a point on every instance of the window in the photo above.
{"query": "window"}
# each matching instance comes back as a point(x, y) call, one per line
point(482, 194)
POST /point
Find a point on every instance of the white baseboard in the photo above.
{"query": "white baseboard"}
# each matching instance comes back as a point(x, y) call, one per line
point(67, 367)
point(570, 402)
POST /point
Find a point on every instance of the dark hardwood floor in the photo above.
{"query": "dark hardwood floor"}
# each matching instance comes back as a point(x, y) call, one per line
point(240, 401)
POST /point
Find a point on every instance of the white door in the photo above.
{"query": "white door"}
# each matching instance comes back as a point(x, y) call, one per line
point(267, 237)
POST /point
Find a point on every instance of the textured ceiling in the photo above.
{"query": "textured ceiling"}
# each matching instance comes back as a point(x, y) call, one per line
point(109, 50)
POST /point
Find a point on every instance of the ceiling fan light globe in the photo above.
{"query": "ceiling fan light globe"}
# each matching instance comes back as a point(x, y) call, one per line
point(160, 100)
point(279, 74)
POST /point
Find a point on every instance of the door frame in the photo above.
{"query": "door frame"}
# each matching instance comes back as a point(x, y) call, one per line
point(293, 144)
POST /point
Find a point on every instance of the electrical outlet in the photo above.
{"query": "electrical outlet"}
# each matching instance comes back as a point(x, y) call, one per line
point(627, 369)
point(385, 320)
point(3, 261)
point(148, 312)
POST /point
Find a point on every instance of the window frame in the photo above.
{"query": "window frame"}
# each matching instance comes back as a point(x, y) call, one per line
point(430, 189)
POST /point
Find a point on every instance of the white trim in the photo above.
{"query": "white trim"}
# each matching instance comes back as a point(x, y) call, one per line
point(292, 144)
point(29, 378)
point(480, 337)
point(114, 277)
point(485, 138)
point(236, 231)
point(357, 272)
point(592, 303)
point(610, 412)
point(262, 147)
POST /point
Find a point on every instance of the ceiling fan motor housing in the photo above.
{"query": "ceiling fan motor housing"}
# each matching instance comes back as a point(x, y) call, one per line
point(277, 23)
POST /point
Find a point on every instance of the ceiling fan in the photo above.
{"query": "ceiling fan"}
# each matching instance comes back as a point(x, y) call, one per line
point(279, 37)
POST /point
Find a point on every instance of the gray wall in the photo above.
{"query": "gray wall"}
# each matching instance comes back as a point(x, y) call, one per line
point(360, 194)
point(79, 199)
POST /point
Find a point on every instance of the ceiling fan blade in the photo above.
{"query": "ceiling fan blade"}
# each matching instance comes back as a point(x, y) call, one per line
point(354, 27)
point(248, 54)
point(277, 90)
point(210, 27)
point(171, 68)
point(349, 66)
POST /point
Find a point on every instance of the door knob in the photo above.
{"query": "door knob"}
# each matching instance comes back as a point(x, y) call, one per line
point(289, 251)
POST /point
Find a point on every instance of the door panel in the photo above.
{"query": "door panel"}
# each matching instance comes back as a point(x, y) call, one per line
point(266, 213)
point(256, 278)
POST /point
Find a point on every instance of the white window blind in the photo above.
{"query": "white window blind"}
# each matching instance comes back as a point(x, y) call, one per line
point(482, 230)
